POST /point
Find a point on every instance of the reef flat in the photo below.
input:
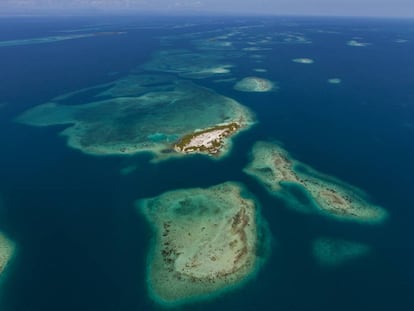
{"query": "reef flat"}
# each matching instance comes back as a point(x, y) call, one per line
point(189, 64)
point(332, 252)
point(7, 249)
point(140, 113)
point(255, 84)
point(206, 242)
point(277, 171)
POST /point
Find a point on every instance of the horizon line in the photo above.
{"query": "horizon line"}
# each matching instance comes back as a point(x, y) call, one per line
point(178, 13)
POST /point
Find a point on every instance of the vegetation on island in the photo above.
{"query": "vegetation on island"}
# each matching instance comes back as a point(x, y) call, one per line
point(212, 146)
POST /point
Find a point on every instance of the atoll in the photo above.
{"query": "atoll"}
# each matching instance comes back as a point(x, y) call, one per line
point(279, 173)
point(206, 242)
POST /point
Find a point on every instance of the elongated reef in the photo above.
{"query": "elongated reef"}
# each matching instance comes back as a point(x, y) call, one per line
point(272, 166)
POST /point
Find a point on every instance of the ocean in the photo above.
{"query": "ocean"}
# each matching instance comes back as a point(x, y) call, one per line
point(82, 245)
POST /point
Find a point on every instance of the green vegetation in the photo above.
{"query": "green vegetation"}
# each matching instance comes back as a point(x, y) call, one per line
point(227, 129)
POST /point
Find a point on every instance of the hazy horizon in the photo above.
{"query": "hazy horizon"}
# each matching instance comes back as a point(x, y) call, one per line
point(357, 8)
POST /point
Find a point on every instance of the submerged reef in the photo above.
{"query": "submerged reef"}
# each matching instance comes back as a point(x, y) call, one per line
point(189, 64)
point(140, 113)
point(333, 252)
point(308, 190)
point(7, 249)
point(255, 84)
point(303, 60)
point(206, 241)
point(334, 81)
point(52, 39)
point(357, 43)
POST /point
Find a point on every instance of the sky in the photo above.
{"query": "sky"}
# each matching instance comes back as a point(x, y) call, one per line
point(391, 8)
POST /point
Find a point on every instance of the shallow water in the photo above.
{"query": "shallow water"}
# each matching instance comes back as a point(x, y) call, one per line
point(81, 243)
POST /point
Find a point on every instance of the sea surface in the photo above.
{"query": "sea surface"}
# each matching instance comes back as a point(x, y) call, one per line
point(82, 245)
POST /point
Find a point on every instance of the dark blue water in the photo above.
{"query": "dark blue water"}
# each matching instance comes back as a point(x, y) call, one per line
point(82, 246)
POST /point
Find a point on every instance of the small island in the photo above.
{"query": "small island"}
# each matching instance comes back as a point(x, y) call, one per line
point(308, 190)
point(207, 241)
point(209, 141)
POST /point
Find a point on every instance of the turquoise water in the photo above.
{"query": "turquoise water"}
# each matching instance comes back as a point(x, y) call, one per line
point(83, 246)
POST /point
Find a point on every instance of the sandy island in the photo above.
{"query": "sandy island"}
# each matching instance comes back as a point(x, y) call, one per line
point(206, 242)
point(278, 172)
point(210, 140)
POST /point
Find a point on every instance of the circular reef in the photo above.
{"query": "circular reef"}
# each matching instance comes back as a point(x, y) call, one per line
point(207, 240)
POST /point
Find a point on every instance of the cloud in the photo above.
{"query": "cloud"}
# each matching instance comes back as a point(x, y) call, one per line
point(300, 7)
